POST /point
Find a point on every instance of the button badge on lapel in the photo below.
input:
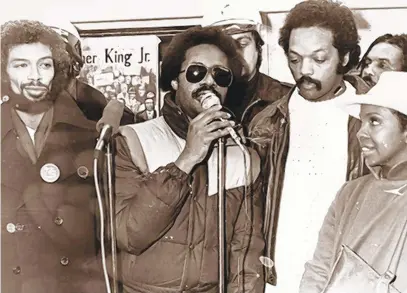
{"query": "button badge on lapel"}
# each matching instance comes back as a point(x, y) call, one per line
point(11, 228)
point(50, 173)
point(4, 99)
point(83, 172)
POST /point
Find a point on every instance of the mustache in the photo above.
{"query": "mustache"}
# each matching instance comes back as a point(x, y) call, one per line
point(34, 83)
point(306, 78)
point(195, 94)
point(368, 79)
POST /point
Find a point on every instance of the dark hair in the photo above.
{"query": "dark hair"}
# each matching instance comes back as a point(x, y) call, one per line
point(14, 33)
point(396, 40)
point(402, 118)
point(175, 53)
point(328, 15)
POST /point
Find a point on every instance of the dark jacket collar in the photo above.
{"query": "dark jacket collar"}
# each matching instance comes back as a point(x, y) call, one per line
point(282, 104)
point(269, 88)
point(175, 117)
point(66, 111)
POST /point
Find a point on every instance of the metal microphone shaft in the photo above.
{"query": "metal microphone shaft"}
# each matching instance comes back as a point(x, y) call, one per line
point(221, 216)
point(208, 100)
point(105, 134)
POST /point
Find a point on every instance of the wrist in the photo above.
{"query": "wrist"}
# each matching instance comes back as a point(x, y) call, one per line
point(186, 162)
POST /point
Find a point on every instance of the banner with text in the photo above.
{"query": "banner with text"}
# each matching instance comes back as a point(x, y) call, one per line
point(125, 68)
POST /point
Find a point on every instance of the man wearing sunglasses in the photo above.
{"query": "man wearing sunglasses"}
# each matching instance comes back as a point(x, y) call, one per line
point(243, 24)
point(166, 180)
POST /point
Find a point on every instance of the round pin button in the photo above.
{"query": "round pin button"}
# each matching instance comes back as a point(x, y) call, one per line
point(11, 228)
point(83, 172)
point(58, 221)
point(64, 261)
point(17, 270)
point(5, 99)
point(50, 173)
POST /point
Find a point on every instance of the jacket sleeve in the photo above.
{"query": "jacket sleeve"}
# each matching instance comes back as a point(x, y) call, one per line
point(317, 271)
point(246, 269)
point(147, 204)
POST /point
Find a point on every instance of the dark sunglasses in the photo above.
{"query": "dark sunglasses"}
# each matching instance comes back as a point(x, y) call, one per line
point(221, 75)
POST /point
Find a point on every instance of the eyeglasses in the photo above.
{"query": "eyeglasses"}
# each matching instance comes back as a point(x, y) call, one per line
point(195, 73)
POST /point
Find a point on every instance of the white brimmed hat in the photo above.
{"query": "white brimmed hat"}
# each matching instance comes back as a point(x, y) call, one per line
point(388, 93)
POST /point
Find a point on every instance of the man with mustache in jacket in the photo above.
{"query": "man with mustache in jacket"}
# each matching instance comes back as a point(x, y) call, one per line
point(307, 142)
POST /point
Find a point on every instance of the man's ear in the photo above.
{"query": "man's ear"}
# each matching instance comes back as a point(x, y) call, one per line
point(345, 59)
point(174, 85)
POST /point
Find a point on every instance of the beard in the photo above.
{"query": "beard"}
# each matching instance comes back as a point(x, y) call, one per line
point(36, 104)
point(35, 91)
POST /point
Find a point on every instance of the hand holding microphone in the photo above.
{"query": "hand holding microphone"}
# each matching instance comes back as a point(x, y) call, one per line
point(206, 127)
point(208, 100)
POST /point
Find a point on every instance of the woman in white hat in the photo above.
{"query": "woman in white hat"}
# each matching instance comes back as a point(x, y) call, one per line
point(361, 246)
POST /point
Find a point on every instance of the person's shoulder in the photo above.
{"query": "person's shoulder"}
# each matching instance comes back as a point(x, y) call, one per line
point(86, 91)
point(353, 188)
point(141, 113)
point(271, 85)
point(351, 191)
point(360, 181)
point(268, 120)
point(268, 79)
point(358, 83)
point(128, 144)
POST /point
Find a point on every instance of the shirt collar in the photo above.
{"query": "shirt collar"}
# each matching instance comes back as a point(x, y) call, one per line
point(282, 104)
point(397, 172)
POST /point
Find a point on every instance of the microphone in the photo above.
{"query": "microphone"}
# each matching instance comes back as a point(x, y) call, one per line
point(109, 124)
point(210, 99)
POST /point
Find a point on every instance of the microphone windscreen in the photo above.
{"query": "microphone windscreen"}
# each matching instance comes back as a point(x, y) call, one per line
point(112, 115)
point(209, 101)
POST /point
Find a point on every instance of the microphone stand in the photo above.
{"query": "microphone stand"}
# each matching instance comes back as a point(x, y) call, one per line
point(110, 191)
point(109, 162)
point(221, 216)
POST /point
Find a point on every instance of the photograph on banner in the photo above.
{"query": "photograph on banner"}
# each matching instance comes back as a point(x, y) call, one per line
point(125, 68)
